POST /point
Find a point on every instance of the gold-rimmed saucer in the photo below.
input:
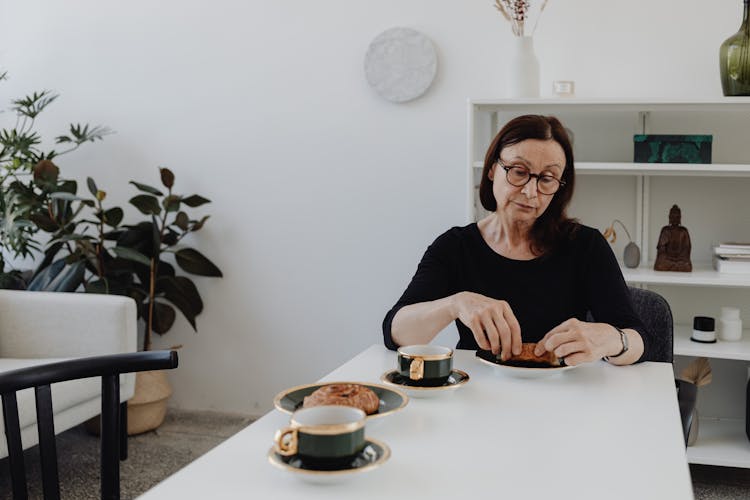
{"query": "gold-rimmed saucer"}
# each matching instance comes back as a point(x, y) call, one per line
point(456, 379)
point(373, 455)
point(391, 399)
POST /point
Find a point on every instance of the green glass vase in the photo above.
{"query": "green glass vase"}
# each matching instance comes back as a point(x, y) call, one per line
point(734, 59)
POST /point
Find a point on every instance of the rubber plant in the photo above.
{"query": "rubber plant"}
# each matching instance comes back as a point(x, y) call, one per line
point(99, 253)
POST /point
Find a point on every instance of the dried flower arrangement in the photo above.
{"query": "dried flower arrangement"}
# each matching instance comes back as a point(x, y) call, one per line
point(518, 13)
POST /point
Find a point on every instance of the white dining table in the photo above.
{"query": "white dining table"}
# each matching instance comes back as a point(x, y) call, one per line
point(593, 432)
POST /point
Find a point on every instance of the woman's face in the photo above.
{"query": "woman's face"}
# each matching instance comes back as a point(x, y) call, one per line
point(526, 203)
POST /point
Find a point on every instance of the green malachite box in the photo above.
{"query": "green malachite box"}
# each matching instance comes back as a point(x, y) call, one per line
point(672, 148)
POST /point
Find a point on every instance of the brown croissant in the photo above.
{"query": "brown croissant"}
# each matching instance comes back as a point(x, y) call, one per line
point(528, 359)
point(355, 395)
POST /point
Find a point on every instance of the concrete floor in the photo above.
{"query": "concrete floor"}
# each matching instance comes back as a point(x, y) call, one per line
point(153, 456)
point(184, 436)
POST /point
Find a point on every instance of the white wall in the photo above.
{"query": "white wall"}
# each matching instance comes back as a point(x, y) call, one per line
point(324, 195)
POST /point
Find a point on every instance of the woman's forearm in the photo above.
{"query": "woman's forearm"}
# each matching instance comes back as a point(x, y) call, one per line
point(420, 323)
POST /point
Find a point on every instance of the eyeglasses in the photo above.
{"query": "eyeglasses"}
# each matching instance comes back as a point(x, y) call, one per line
point(520, 176)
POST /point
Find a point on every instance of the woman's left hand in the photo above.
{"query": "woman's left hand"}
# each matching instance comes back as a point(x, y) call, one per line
point(580, 342)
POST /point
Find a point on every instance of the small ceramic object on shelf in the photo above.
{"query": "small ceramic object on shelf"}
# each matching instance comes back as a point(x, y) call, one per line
point(564, 88)
point(632, 254)
point(704, 330)
point(730, 328)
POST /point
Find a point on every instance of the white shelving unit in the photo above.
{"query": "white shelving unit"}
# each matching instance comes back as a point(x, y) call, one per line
point(603, 146)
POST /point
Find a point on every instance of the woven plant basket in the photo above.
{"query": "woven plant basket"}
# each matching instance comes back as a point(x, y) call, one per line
point(148, 406)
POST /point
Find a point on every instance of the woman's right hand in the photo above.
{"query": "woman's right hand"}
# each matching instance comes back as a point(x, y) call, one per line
point(492, 322)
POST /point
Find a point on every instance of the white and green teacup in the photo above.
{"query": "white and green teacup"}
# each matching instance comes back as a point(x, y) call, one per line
point(425, 365)
point(325, 436)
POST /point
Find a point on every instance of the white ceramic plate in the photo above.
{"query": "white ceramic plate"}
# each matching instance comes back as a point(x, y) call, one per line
point(520, 372)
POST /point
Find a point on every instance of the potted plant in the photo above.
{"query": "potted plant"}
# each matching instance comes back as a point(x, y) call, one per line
point(90, 249)
point(27, 179)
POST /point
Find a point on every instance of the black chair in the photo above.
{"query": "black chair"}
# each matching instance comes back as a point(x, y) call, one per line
point(113, 417)
point(654, 311)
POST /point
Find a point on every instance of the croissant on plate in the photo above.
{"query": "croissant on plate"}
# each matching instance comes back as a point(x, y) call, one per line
point(355, 395)
point(528, 359)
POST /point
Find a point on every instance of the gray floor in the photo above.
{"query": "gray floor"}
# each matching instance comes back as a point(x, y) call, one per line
point(152, 456)
point(184, 436)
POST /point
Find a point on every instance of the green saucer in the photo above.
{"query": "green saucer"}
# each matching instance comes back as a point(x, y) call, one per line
point(373, 455)
point(391, 400)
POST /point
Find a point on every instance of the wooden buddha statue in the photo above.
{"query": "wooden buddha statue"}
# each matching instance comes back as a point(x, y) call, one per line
point(673, 248)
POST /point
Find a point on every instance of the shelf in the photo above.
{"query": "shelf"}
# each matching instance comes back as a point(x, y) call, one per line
point(700, 276)
point(683, 346)
point(725, 104)
point(720, 442)
point(657, 169)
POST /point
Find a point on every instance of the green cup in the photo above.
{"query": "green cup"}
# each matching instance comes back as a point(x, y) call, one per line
point(425, 365)
point(323, 436)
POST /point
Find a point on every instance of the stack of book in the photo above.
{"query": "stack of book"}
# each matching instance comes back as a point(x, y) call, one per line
point(732, 258)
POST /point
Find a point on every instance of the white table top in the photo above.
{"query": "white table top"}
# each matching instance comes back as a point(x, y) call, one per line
point(596, 431)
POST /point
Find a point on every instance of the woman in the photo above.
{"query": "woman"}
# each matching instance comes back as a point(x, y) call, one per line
point(526, 272)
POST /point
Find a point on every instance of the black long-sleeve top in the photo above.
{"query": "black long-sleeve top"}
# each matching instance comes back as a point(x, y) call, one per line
point(581, 275)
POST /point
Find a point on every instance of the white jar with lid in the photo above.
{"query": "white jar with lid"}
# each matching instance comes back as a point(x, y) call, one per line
point(730, 324)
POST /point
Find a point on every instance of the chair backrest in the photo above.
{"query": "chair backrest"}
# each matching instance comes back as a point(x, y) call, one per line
point(113, 417)
point(656, 315)
point(654, 311)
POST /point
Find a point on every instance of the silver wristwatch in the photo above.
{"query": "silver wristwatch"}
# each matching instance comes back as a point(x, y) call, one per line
point(625, 345)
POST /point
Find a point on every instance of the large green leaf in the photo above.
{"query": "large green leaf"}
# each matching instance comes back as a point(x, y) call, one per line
point(62, 195)
point(164, 316)
point(49, 256)
point(167, 177)
point(97, 286)
point(130, 254)
point(198, 225)
point(92, 186)
point(173, 295)
point(146, 204)
point(43, 221)
point(169, 238)
point(195, 200)
point(69, 278)
point(180, 286)
point(44, 277)
point(193, 261)
point(146, 188)
point(181, 220)
point(46, 174)
point(113, 216)
point(171, 203)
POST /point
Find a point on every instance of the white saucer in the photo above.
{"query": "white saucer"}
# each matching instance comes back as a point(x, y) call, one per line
point(524, 372)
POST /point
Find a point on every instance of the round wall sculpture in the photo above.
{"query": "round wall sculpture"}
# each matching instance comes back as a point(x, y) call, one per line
point(400, 64)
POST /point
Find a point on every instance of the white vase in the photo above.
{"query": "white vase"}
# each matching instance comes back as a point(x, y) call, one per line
point(522, 69)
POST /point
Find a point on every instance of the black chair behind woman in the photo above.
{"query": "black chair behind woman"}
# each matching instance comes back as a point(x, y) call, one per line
point(656, 315)
point(113, 418)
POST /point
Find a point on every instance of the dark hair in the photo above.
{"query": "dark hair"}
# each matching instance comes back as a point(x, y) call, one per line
point(553, 225)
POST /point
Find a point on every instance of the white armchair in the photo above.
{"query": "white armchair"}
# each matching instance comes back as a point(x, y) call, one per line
point(43, 327)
